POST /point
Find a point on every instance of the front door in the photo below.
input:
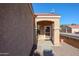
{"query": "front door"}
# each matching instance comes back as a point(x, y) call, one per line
point(47, 32)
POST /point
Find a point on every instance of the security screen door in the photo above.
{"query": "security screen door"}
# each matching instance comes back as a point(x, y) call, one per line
point(47, 32)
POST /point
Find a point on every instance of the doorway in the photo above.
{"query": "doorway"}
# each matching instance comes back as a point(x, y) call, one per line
point(47, 32)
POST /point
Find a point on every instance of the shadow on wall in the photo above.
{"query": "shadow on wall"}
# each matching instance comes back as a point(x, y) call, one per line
point(48, 53)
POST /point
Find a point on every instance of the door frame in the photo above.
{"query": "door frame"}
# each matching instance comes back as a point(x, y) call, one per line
point(45, 29)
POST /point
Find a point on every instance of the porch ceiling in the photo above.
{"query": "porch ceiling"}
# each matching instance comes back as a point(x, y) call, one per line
point(45, 22)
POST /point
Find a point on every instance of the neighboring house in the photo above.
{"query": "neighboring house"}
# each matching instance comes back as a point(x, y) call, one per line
point(65, 28)
point(16, 29)
point(47, 26)
point(71, 29)
point(74, 28)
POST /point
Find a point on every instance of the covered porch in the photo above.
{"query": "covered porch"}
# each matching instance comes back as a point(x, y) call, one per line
point(47, 27)
point(45, 30)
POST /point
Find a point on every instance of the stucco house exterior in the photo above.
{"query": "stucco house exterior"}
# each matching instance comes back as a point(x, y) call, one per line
point(71, 29)
point(16, 29)
point(74, 28)
point(20, 29)
point(47, 26)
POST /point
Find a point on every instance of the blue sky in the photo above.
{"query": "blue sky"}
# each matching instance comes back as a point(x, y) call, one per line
point(69, 12)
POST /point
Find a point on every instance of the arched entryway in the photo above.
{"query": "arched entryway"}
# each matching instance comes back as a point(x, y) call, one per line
point(47, 26)
point(45, 30)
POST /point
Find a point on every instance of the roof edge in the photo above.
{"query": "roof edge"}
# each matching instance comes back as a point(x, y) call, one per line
point(46, 14)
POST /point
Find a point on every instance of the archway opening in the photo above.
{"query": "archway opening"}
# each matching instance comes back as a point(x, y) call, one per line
point(45, 30)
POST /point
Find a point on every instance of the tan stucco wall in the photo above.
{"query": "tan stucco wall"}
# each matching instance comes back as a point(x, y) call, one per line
point(72, 42)
point(57, 32)
point(16, 29)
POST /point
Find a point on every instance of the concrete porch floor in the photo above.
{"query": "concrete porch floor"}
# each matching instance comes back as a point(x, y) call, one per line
point(46, 48)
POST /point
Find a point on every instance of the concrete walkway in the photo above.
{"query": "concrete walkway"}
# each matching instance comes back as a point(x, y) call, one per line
point(46, 48)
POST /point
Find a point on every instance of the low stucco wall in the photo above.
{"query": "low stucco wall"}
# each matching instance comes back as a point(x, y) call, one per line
point(16, 29)
point(72, 42)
